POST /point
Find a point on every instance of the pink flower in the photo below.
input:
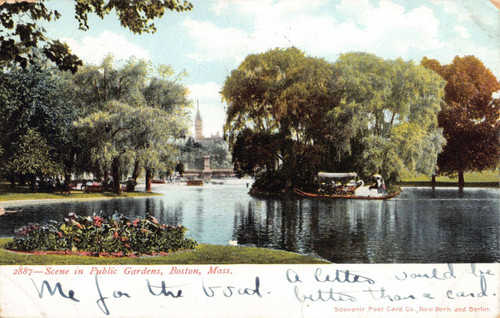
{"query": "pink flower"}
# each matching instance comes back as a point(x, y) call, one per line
point(136, 222)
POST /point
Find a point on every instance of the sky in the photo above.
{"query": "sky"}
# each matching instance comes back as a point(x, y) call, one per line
point(216, 36)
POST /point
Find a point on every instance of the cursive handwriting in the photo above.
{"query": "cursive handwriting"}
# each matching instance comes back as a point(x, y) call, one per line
point(101, 301)
point(228, 291)
point(312, 286)
point(322, 295)
point(163, 290)
point(434, 274)
point(341, 276)
point(58, 287)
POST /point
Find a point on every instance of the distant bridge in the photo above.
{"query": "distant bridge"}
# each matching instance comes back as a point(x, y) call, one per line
point(207, 173)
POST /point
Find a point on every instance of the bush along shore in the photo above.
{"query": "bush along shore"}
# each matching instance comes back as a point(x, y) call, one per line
point(102, 236)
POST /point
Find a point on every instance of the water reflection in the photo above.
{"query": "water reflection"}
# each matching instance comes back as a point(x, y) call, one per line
point(420, 226)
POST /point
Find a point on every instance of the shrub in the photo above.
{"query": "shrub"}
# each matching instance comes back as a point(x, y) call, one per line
point(116, 235)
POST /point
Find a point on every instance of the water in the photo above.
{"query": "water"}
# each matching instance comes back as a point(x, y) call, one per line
point(419, 226)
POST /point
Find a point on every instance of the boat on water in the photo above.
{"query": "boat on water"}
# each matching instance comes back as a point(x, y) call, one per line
point(331, 187)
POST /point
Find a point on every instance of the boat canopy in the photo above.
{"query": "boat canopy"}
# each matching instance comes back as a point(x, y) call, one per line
point(337, 175)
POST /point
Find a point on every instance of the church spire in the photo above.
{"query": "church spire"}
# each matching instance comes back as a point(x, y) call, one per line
point(198, 123)
point(198, 117)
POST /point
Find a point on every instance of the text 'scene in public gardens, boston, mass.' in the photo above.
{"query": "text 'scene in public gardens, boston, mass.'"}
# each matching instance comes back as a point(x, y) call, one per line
point(266, 158)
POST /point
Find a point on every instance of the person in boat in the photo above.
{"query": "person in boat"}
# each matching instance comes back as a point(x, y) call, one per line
point(378, 184)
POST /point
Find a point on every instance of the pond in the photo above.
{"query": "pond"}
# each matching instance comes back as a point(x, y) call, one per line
point(419, 226)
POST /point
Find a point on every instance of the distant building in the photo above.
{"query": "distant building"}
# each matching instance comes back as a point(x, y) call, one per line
point(198, 129)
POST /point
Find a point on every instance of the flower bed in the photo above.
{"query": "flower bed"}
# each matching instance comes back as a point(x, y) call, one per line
point(103, 236)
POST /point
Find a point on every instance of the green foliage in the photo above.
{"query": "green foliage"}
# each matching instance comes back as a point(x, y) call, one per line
point(393, 107)
point(133, 117)
point(38, 97)
point(290, 115)
point(469, 118)
point(21, 21)
point(277, 105)
point(116, 235)
point(32, 156)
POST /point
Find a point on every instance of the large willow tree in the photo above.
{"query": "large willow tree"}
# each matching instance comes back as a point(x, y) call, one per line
point(277, 101)
point(391, 107)
point(134, 114)
point(290, 115)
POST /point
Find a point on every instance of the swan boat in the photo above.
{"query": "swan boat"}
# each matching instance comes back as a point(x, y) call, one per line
point(332, 188)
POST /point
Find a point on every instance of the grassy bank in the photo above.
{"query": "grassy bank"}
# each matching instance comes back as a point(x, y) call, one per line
point(472, 179)
point(203, 254)
point(22, 193)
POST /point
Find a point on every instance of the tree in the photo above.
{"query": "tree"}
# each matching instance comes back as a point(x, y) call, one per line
point(470, 117)
point(290, 115)
point(37, 97)
point(32, 158)
point(284, 95)
point(122, 132)
point(21, 21)
point(392, 109)
point(138, 85)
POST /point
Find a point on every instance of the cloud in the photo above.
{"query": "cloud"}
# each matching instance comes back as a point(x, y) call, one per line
point(384, 28)
point(208, 90)
point(213, 42)
point(93, 49)
point(462, 31)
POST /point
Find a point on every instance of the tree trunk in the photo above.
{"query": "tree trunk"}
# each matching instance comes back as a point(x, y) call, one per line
point(433, 181)
point(115, 171)
point(12, 182)
point(135, 175)
point(461, 182)
point(149, 176)
point(33, 185)
point(22, 180)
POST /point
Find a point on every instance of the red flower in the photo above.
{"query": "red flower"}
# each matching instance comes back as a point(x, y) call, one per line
point(136, 222)
point(60, 234)
point(97, 221)
point(115, 234)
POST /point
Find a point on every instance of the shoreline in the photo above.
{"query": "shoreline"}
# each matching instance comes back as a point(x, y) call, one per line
point(4, 205)
point(20, 203)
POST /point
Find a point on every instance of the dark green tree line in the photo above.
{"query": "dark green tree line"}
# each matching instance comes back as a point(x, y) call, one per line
point(290, 115)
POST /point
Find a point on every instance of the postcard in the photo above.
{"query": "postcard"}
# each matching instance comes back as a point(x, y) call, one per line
point(259, 158)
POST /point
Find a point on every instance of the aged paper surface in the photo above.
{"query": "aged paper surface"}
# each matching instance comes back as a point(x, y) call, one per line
point(344, 290)
point(340, 290)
